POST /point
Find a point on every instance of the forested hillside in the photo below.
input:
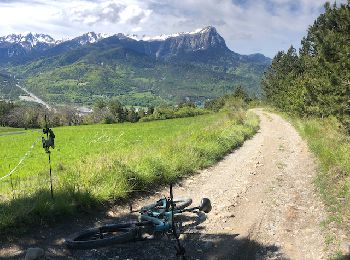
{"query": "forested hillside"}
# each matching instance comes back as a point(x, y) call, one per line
point(135, 81)
point(315, 81)
point(8, 89)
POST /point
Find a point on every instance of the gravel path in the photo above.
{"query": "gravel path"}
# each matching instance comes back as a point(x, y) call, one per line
point(264, 207)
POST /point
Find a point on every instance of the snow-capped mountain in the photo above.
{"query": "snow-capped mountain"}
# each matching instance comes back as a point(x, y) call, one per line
point(90, 37)
point(201, 45)
point(18, 45)
point(179, 46)
point(163, 37)
point(33, 39)
point(29, 40)
point(21, 46)
point(189, 42)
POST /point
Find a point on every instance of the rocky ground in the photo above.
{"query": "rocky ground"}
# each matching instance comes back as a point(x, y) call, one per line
point(264, 207)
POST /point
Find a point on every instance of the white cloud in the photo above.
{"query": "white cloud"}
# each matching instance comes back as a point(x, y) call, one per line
point(246, 25)
point(107, 11)
point(25, 17)
point(134, 14)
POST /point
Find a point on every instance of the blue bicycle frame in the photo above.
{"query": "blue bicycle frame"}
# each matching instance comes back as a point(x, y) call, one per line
point(161, 217)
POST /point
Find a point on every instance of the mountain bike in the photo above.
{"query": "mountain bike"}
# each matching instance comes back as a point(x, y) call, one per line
point(154, 219)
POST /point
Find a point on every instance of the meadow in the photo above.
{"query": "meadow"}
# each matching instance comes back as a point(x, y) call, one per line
point(7, 130)
point(98, 164)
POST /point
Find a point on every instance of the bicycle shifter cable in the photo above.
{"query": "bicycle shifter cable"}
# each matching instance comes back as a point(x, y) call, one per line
point(180, 250)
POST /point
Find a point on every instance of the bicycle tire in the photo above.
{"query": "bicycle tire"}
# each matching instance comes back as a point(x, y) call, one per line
point(111, 234)
point(179, 204)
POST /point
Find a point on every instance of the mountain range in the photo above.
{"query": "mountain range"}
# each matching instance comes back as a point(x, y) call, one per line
point(139, 70)
point(17, 47)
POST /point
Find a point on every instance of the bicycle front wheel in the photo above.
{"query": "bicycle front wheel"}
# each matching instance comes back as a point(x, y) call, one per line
point(102, 236)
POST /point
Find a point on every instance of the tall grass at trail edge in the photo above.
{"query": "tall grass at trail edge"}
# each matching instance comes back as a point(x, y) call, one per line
point(330, 143)
point(97, 164)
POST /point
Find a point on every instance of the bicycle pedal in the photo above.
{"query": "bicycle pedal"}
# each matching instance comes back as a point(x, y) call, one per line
point(148, 237)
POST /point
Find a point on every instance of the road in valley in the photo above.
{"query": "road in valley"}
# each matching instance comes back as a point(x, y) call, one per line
point(33, 98)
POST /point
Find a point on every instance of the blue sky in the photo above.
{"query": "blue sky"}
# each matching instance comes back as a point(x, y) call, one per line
point(248, 26)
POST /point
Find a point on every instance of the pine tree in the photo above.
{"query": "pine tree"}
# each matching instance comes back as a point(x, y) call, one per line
point(315, 82)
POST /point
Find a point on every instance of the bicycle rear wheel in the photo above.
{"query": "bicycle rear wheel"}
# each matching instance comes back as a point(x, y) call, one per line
point(103, 236)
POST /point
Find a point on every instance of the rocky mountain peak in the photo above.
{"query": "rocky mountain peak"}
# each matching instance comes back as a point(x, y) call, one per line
point(29, 38)
point(209, 38)
point(90, 37)
point(208, 29)
point(181, 44)
point(163, 37)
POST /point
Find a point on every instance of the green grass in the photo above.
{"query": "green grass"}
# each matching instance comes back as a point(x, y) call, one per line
point(4, 130)
point(95, 164)
point(331, 145)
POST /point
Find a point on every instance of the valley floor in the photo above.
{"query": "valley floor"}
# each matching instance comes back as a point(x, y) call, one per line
point(264, 207)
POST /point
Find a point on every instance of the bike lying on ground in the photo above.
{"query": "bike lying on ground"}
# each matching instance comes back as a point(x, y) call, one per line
point(153, 219)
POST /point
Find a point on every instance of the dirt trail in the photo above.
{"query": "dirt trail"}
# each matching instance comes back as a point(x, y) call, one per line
point(264, 207)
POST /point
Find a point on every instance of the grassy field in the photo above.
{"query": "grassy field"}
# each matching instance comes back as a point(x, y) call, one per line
point(6, 130)
point(95, 164)
point(331, 145)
